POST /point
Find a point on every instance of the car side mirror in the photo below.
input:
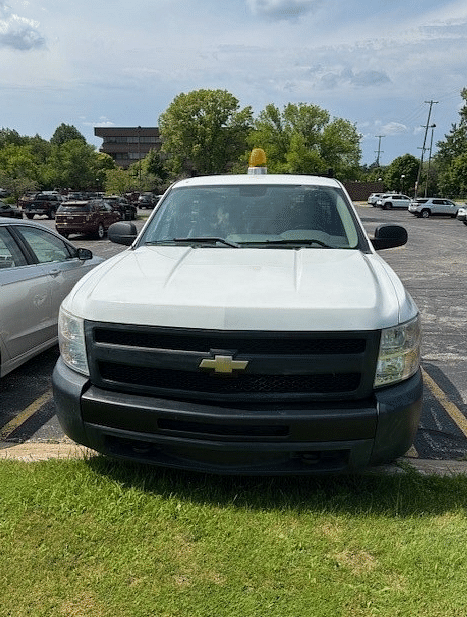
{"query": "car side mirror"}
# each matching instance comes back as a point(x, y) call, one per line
point(84, 254)
point(389, 236)
point(122, 233)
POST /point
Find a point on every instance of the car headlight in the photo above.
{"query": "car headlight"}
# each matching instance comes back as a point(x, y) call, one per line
point(72, 342)
point(399, 353)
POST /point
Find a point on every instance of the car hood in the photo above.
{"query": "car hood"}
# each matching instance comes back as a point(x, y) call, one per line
point(244, 289)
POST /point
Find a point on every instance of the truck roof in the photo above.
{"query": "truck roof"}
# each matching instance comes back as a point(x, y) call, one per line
point(235, 179)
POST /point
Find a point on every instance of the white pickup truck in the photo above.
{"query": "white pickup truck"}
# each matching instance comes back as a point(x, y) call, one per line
point(250, 328)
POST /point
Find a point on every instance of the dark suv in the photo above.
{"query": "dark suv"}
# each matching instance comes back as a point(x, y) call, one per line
point(43, 204)
point(126, 208)
point(92, 216)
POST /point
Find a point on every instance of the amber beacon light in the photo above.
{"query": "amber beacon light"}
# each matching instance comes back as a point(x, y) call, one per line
point(257, 162)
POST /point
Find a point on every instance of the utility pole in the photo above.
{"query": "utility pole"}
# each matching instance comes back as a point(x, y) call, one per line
point(379, 151)
point(432, 127)
point(427, 126)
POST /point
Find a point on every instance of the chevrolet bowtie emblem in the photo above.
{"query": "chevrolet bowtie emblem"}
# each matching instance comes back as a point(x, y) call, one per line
point(223, 364)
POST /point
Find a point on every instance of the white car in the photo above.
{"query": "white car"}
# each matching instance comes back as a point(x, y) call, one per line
point(373, 198)
point(388, 201)
point(37, 270)
point(425, 207)
point(462, 214)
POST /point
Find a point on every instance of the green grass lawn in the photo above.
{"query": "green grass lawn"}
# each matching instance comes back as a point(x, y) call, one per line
point(98, 538)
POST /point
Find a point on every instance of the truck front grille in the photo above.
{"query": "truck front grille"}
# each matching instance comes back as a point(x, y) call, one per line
point(281, 366)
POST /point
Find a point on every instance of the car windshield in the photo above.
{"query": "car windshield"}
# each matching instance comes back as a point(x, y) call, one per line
point(264, 215)
point(74, 208)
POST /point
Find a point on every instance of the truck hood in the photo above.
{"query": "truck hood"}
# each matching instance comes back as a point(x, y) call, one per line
point(244, 289)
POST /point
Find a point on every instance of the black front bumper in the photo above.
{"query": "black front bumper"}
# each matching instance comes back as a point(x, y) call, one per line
point(248, 439)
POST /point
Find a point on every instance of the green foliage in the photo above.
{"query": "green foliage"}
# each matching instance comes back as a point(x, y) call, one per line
point(453, 179)
point(451, 156)
point(72, 164)
point(303, 139)
point(64, 133)
point(119, 181)
point(401, 174)
point(19, 170)
point(204, 130)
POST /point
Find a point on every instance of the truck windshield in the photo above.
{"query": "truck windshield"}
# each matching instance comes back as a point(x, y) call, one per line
point(271, 216)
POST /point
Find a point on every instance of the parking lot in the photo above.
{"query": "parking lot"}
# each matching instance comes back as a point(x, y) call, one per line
point(432, 267)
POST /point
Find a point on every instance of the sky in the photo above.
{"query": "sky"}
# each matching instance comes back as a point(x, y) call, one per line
point(390, 67)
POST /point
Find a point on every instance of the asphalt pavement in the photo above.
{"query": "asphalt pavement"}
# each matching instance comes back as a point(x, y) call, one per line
point(443, 357)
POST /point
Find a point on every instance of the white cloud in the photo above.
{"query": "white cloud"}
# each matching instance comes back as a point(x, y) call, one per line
point(394, 128)
point(18, 32)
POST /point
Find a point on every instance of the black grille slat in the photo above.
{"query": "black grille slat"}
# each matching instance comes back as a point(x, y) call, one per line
point(241, 383)
point(281, 366)
point(251, 345)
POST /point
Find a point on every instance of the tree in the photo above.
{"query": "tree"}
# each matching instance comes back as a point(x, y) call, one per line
point(453, 181)
point(450, 158)
point(19, 171)
point(72, 164)
point(204, 130)
point(119, 181)
point(303, 139)
point(10, 136)
point(401, 174)
point(64, 133)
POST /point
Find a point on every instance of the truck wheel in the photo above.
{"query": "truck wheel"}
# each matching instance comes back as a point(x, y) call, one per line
point(30, 216)
point(100, 233)
point(425, 214)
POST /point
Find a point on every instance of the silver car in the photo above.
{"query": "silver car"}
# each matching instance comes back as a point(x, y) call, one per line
point(37, 270)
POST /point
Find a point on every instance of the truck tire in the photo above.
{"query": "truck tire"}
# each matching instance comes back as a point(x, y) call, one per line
point(30, 216)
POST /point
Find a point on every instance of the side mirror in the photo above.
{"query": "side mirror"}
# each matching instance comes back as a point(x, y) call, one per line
point(122, 233)
point(84, 254)
point(389, 236)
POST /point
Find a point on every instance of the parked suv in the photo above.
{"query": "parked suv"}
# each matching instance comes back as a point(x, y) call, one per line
point(92, 216)
point(46, 203)
point(147, 200)
point(393, 200)
point(127, 210)
point(373, 198)
point(425, 207)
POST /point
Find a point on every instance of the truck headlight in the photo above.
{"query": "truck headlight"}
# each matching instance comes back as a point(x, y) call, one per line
point(72, 342)
point(399, 353)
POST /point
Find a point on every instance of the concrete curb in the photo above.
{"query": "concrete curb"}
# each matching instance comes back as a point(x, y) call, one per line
point(32, 451)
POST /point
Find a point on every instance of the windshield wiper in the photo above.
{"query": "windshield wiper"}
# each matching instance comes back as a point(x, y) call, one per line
point(303, 242)
point(207, 240)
